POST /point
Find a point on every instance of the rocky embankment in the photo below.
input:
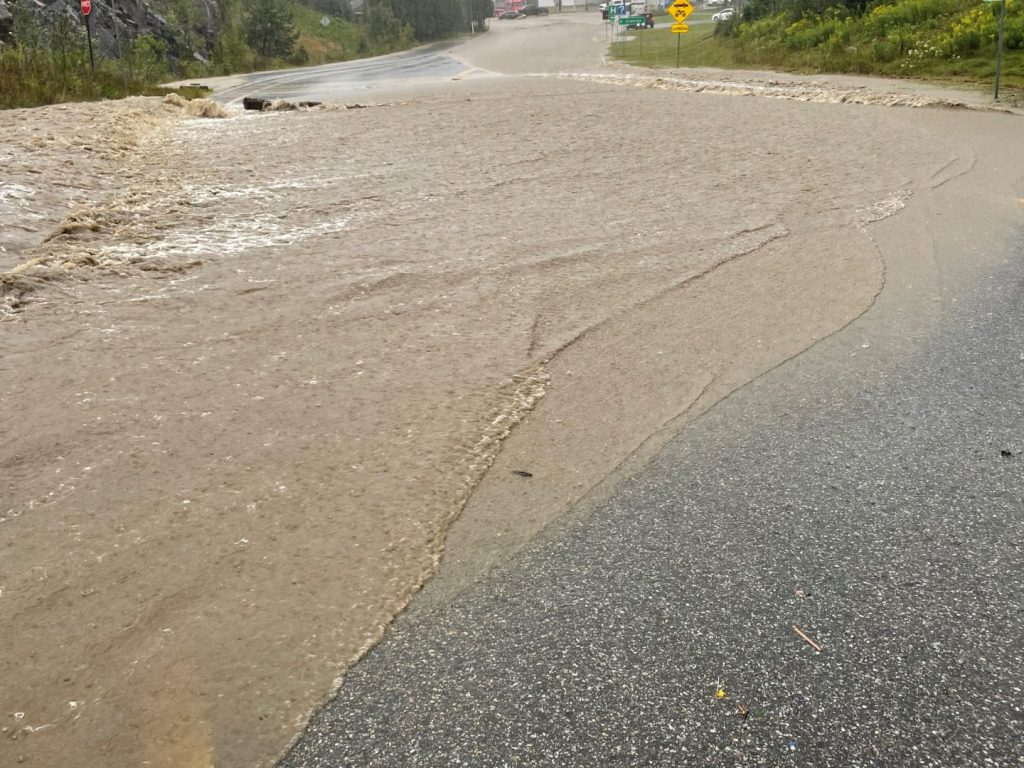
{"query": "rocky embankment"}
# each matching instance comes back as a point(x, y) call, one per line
point(115, 25)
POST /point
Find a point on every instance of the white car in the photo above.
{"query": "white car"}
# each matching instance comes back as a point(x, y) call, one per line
point(723, 15)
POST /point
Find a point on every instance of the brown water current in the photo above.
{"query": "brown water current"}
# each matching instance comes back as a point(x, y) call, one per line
point(254, 368)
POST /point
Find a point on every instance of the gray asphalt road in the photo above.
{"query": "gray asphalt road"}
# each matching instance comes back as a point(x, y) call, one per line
point(350, 79)
point(874, 500)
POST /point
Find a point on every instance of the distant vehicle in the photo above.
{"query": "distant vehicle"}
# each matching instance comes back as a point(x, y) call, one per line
point(648, 22)
point(722, 15)
point(533, 10)
point(511, 15)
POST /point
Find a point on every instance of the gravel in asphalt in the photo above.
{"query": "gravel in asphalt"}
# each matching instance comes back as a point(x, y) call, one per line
point(877, 507)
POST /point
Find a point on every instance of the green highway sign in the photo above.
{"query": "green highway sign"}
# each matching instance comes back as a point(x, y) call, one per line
point(627, 20)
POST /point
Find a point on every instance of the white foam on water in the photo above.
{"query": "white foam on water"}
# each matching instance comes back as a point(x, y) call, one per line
point(200, 195)
point(822, 93)
point(16, 192)
point(227, 237)
point(883, 209)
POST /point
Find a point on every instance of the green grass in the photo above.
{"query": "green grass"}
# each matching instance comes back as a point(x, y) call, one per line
point(940, 40)
point(339, 41)
point(697, 48)
point(32, 78)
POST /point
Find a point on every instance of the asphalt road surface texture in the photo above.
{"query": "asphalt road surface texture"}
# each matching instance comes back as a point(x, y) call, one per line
point(876, 506)
point(349, 79)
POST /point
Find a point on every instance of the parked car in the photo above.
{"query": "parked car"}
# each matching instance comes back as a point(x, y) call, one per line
point(533, 10)
point(510, 15)
point(724, 15)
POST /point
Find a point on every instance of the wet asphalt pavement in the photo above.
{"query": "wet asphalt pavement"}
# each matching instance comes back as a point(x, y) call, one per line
point(349, 79)
point(876, 505)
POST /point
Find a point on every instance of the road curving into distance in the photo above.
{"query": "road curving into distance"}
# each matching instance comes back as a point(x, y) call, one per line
point(600, 379)
point(822, 569)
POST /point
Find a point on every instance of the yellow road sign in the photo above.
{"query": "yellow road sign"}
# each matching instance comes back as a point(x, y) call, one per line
point(677, 28)
point(679, 9)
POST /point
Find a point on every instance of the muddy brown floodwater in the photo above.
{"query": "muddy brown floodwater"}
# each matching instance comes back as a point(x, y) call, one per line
point(254, 368)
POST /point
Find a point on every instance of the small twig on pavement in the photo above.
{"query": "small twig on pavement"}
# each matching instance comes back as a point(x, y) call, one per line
point(810, 642)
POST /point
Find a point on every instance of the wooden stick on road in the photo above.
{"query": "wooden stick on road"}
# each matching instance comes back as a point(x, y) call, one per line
point(810, 642)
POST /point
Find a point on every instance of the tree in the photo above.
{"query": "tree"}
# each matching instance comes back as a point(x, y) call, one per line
point(25, 29)
point(382, 25)
point(6, 24)
point(148, 57)
point(269, 30)
point(339, 8)
point(231, 54)
point(430, 19)
point(185, 17)
point(480, 11)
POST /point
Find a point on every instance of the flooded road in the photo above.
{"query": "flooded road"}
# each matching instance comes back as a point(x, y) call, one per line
point(351, 80)
point(256, 367)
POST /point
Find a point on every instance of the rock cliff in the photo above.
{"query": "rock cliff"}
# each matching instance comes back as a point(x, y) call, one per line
point(6, 21)
point(188, 27)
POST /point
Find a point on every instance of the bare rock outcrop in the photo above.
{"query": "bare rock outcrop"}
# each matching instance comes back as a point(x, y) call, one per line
point(115, 25)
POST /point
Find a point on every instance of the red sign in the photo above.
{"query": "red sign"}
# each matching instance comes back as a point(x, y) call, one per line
point(86, 7)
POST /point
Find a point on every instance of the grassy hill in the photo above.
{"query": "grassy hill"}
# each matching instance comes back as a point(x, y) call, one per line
point(950, 40)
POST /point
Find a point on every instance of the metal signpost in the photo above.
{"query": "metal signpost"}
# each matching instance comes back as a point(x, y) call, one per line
point(614, 11)
point(620, 11)
point(627, 21)
point(86, 10)
point(999, 45)
point(679, 10)
point(999, 41)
